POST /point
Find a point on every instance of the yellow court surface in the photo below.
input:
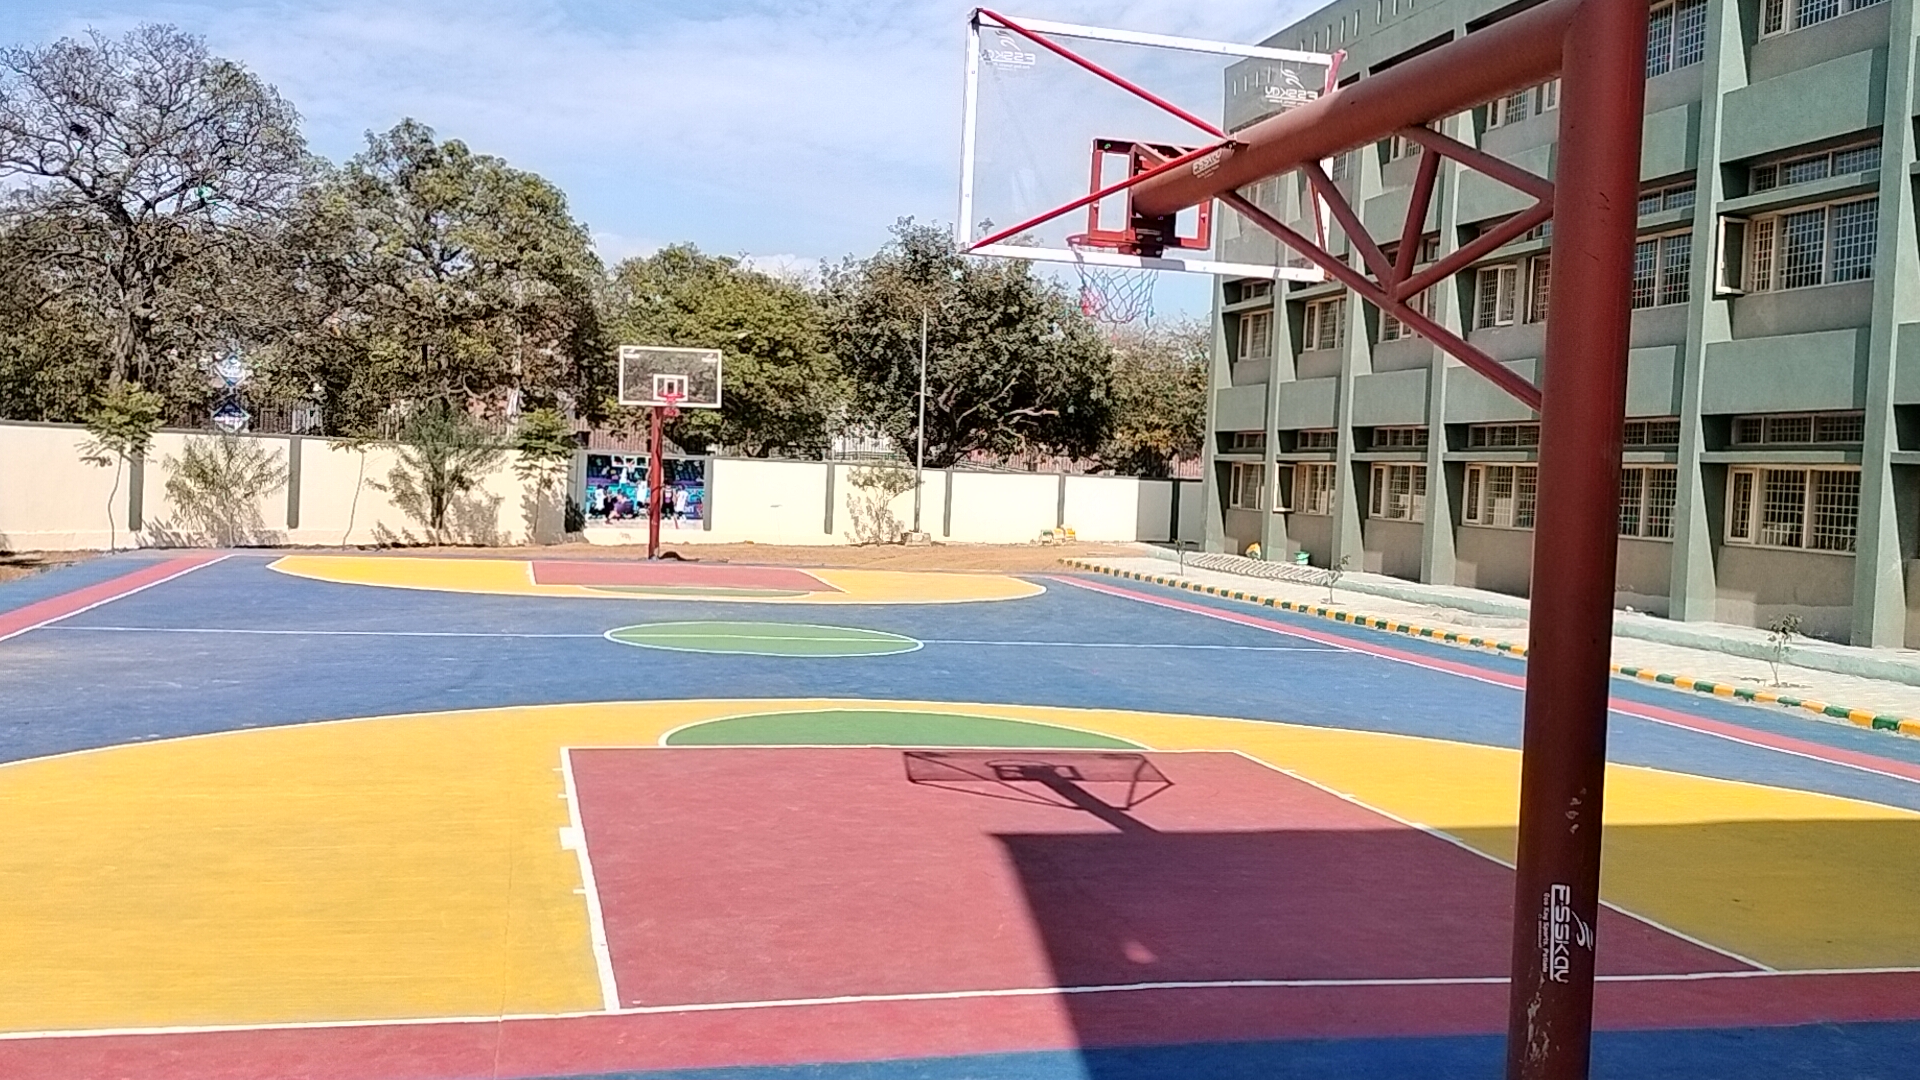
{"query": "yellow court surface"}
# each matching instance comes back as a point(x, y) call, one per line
point(413, 866)
point(614, 580)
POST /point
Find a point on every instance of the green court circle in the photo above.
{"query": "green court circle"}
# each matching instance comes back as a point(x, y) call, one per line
point(763, 639)
point(888, 727)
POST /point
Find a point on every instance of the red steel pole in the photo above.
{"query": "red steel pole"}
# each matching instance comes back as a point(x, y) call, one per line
point(1576, 540)
point(655, 471)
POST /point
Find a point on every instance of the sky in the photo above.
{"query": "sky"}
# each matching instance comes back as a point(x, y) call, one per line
point(786, 131)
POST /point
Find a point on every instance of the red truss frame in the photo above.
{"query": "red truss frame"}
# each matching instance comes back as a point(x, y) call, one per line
point(1598, 49)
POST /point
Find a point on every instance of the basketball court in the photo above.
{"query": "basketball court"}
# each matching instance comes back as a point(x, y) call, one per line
point(327, 816)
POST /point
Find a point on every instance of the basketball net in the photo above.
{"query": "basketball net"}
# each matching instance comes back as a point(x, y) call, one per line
point(1112, 295)
point(670, 405)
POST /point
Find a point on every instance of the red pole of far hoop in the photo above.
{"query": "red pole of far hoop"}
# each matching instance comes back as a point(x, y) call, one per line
point(1576, 542)
point(655, 473)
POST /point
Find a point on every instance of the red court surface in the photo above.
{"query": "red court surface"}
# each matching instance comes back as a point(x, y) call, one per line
point(671, 574)
point(784, 906)
point(772, 874)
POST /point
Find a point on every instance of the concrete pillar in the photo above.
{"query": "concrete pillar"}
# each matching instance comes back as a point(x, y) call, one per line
point(1879, 592)
point(1437, 559)
point(1213, 524)
point(1356, 359)
point(1280, 370)
point(1693, 594)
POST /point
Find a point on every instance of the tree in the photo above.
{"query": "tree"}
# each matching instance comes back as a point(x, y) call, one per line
point(443, 454)
point(139, 168)
point(782, 387)
point(120, 427)
point(426, 270)
point(1159, 397)
point(1013, 365)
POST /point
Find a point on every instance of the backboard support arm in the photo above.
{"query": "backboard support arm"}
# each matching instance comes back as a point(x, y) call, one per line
point(1598, 50)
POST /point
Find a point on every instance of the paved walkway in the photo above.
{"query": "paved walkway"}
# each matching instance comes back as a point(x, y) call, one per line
point(1734, 668)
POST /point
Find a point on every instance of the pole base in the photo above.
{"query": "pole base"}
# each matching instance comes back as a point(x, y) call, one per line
point(916, 539)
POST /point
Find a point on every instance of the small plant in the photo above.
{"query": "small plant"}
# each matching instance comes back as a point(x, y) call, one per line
point(1780, 634)
point(1334, 574)
point(120, 428)
point(443, 454)
point(216, 484)
point(543, 446)
point(871, 502)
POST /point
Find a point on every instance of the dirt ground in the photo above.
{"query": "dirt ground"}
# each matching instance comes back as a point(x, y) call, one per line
point(13, 566)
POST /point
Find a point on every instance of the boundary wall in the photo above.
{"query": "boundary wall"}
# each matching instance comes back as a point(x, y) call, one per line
point(51, 499)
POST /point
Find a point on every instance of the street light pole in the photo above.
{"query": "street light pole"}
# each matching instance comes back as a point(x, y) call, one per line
point(920, 453)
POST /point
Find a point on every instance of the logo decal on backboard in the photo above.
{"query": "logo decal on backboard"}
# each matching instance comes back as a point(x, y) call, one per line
point(1009, 54)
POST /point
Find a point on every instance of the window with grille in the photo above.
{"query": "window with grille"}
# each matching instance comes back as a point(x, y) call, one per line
point(1495, 296)
point(1539, 287)
point(1315, 439)
point(1399, 437)
point(1781, 16)
point(1511, 109)
point(1807, 168)
point(1392, 329)
point(1661, 268)
point(1672, 197)
point(1497, 435)
point(1254, 290)
point(1399, 492)
point(1325, 324)
point(1651, 433)
point(1256, 335)
point(1245, 485)
point(1647, 496)
point(1244, 441)
point(1676, 35)
point(1501, 496)
point(1817, 509)
point(1548, 97)
point(1313, 489)
point(1795, 429)
point(1820, 245)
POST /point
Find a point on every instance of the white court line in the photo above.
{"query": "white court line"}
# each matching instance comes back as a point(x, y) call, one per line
point(45, 623)
point(283, 632)
point(938, 995)
point(1464, 846)
point(574, 837)
point(1626, 707)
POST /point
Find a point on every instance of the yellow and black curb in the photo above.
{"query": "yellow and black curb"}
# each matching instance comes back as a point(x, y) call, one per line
point(1877, 721)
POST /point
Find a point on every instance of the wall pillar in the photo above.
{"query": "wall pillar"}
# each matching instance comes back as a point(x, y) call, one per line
point(1213, 522)
point(1349, 486)
point(1438, 562)
point(1879, 588)
point(1692, 590)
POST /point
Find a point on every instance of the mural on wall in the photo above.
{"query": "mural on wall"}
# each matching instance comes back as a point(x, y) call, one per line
point(617, 490)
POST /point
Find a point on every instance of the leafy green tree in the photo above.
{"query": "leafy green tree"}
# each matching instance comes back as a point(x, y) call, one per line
point(1013, 365)
point(142, 174)
point(120, 428)
point(427, 270)
point(444, 453)
point(782, 387)
point(1159, 397)
point(543, 448)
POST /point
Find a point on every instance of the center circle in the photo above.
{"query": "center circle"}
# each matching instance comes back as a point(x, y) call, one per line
point(763, 639)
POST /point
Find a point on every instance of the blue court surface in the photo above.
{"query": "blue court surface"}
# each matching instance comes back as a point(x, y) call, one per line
point(388, 760)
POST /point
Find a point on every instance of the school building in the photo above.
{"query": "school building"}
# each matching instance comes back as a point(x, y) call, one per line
point(1772, 446)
